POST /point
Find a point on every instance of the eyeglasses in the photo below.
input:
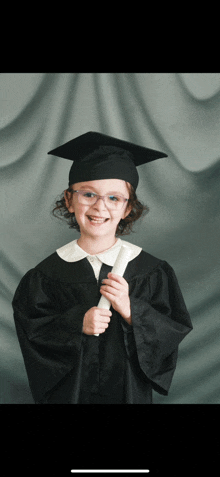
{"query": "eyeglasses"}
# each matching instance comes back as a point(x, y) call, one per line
point(113, 202)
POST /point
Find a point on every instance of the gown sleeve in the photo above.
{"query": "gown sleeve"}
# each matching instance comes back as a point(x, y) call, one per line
point(160, 322)
point(50, 336)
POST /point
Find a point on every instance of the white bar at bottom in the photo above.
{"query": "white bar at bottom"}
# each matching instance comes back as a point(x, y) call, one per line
point(110, 471)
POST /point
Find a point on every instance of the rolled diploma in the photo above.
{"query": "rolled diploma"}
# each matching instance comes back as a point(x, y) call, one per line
point(118, 268)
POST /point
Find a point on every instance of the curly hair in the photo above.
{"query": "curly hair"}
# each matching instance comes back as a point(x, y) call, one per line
point(125, 226)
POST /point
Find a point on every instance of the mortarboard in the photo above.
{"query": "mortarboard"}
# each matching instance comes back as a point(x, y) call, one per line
point(97, 156)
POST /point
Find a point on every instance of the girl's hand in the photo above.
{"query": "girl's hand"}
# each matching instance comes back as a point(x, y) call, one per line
point(116, 290)
point(96, 321)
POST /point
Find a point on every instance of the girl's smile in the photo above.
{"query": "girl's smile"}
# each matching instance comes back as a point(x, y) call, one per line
point(97, 220)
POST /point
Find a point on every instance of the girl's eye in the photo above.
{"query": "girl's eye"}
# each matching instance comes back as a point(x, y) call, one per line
point(113, 198)
point(89, 194)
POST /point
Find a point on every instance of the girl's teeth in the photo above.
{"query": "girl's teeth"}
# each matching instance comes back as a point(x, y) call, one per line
point(97, 220)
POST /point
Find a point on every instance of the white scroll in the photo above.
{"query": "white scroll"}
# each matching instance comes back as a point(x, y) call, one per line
point(118, 268)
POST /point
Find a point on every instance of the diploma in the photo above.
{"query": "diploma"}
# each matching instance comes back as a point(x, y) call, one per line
point(118, 268)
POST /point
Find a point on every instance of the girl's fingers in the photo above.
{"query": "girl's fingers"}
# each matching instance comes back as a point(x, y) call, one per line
point(112, 294)
point(111, 283)
point(104, 313)
point(114, 291)
point(117, 278)
point(115, 284)
point(109, 289)
point(119, 303)
point(108, 295)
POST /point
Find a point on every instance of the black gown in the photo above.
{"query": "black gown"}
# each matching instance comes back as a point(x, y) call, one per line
point(121, 365)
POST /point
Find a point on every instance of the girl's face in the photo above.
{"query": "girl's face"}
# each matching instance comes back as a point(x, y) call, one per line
point(97, 220)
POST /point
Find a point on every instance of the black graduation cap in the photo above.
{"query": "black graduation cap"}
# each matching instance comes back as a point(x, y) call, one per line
point(98, 156)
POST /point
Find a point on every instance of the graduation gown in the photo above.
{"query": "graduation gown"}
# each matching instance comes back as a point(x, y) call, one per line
point(121, 365)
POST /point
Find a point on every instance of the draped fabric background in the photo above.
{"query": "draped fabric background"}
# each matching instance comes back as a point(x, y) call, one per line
point(176, 113)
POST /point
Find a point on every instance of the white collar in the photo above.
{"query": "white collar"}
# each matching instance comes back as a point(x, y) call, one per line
point(71, 252)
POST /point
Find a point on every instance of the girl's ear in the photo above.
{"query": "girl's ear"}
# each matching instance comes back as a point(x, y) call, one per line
point(127, 211)
point(68, 201)
point(129, 207)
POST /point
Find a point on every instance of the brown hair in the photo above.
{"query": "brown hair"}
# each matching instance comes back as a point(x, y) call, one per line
point(125, 225)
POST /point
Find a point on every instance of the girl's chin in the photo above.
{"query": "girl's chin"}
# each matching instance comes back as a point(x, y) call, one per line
point(98, 229)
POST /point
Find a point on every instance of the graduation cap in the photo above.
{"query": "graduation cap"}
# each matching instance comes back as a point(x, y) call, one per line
point(97, 156)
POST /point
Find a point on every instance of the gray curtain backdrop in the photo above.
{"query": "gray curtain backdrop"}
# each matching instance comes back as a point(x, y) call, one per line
point(176, 113)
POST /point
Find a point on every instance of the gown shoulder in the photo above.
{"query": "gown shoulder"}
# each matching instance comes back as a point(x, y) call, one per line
point(143, 265)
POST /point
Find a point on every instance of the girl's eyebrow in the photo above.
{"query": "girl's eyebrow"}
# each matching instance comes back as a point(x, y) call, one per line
point(86, 188)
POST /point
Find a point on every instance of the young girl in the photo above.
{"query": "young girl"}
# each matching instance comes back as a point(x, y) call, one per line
point(75, 352)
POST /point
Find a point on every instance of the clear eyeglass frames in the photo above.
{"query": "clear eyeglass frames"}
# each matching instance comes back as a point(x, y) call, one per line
point(111, 201)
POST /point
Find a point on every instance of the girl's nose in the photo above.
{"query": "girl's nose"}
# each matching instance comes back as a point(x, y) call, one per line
point(100, 204)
